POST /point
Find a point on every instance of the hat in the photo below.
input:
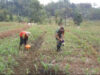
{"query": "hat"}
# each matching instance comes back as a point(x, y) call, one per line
point(28, 33)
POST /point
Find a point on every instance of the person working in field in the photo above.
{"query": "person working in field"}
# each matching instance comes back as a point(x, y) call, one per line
point(60, 37)
point(23, 38)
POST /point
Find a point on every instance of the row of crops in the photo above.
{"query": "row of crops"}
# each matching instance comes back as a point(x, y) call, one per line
point(9, 49)
point(80, 55)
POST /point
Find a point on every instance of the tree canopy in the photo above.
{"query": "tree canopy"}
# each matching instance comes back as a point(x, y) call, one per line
point(31, 9)
point(36, 12)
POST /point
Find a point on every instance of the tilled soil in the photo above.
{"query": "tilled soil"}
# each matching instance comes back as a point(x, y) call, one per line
point(27, 61)
point(12, 32)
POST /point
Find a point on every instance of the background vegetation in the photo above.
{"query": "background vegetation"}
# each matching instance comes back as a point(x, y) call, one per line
point(33, 11)
point(81, 53)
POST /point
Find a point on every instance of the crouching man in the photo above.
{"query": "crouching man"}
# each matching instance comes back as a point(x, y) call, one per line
point(60, 38)
point(23, 38)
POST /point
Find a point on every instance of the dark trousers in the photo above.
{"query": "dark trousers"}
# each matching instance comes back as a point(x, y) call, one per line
point(23, 41)
point(59, 44)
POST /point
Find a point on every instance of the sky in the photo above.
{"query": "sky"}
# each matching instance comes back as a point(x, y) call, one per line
point(93, 2)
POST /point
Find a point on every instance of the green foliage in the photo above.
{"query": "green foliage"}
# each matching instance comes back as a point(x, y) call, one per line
point(2, 65)
point(30, 9)
point(36, 67)
point(64, 9)
point(3, 15)
point(67, 69)
point(11, 17)
point(98, 59)
point(77, 18)
point(36, 12)
point(87, 71)
point(9, 71)
point(60, 21)
point(27, 71)
point(60, 10)
point(75, 53)
point(9, 47)
point(56, 68)
point(95, 14)
point(19, 19)
point(45, 66)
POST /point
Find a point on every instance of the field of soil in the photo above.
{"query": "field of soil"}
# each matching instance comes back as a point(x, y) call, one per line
point(79, 56)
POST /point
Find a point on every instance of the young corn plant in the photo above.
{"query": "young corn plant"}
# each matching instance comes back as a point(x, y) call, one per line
point(56, 68)
point(98, 59)
point(27, 71)
point(3, 65)
point(36, 67)
point(45, 66)
point(86, 71)
point(9, 71)
point(95, 71)
point(2, 68)
point(67, 69)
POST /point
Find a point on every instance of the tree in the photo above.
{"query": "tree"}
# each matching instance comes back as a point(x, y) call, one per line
point(77, 18)
point(60, 21)
point(36, 12)
point(11, 17)
point(95, 14)
point(30, 9)
point(3, 15)
point(84, 9)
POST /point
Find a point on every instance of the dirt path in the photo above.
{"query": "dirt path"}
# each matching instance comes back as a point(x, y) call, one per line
point(12, 32)
point(26, 62)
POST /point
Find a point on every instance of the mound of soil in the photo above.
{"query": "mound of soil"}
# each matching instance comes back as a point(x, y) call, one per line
point(12, 32)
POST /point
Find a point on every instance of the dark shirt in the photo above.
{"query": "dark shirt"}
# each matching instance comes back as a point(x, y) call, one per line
point(59, 33)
